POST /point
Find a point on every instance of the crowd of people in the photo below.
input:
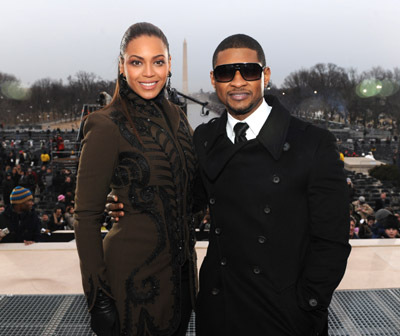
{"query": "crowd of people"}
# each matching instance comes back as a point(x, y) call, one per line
point(379, 220)
point(48, 190)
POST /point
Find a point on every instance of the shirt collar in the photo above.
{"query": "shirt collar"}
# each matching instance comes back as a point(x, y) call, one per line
point(256, 120)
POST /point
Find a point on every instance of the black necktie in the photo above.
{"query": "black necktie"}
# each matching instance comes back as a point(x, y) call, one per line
point(240, 132)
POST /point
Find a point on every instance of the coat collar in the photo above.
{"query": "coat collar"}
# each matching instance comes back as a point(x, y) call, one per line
point(219, 149)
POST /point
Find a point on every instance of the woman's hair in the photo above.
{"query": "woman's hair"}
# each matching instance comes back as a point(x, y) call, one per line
point(140, 29)
point(136, 30)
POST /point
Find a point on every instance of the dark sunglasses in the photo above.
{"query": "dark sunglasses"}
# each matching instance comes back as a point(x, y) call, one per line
point(249, 71)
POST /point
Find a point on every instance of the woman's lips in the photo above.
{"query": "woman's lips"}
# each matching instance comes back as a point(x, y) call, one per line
point(148, 85)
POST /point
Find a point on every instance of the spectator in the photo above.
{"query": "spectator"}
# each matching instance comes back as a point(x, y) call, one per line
point(61, 203)
point(382, 202)
point(391, 226)
point(20, 219)
point(48, 180)
point(69, 217)
point(57, 221)
point(41, 178)
point(45, 158)
point(45, 221)
point(28, 180)
point(378, 228)
point(365, 228)
point(353, 234)
point(362, 208)
point(7, 187)
point(351, 188)
point(68, 185)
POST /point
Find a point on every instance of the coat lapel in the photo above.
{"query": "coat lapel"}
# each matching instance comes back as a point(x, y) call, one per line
point(219, 149)
point(273, 134)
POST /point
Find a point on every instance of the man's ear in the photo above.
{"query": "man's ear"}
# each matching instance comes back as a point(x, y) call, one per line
point(267, 76)
point(212, 79)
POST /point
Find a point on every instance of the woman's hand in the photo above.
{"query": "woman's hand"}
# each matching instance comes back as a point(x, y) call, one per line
point(104, 317)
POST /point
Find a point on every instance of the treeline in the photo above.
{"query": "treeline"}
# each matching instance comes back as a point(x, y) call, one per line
point(48, 99)
point(325, 90)
point(331, 91)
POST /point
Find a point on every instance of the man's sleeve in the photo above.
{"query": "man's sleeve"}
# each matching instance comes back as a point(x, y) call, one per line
point(328, 249)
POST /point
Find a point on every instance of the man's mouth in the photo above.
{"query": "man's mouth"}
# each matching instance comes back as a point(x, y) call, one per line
point(239, 95)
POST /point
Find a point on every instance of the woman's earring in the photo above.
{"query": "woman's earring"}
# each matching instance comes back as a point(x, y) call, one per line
point(122, 77)
point(169, 82)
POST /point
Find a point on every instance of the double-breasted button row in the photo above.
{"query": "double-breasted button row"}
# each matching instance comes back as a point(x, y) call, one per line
point(313, 303)
point(212, 201)
point(223, 262)
point(276, 179)
point(267, 209)
point(286, 146)
point(261, 239)
point(217, 231)
point(256, 270)
point(215, 291)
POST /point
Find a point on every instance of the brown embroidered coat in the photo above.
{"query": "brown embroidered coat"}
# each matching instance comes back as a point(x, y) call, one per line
point(139, 261)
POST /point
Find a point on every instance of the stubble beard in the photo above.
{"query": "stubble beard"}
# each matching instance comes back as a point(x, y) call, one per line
point(243, 111)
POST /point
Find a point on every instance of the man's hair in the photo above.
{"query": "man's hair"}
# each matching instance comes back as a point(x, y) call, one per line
point(240, 41)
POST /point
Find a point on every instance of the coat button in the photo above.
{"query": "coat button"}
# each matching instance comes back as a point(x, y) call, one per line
point(286, 146)
point(256, 270)
point(276, 179)
point(267, 209)
point(205, 143)
point(313, 303)
point(212, 201)
point(215, 291)
point(217, 231)
point(223, 262)
point(261, 239)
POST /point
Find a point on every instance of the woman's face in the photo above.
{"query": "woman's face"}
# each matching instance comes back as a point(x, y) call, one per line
point(145, 65)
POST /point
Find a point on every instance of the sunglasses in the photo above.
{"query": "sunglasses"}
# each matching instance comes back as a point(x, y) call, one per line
point(249, 71)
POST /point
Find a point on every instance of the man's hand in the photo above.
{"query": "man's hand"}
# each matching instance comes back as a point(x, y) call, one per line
point(28, 242)
point(114, 209)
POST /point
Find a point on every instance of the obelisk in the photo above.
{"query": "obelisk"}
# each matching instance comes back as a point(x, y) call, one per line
point(185, 86)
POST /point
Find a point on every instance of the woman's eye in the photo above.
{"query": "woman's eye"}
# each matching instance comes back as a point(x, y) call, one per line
point(159, 62)
point(136, 63)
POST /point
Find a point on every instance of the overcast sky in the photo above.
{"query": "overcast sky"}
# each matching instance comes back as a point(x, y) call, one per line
point(57, 38)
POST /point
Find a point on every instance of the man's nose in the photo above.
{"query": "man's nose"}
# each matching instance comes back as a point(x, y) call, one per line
point(238, 80)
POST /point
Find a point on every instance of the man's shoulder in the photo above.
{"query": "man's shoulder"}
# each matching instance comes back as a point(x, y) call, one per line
point(306, 127)
point(208, 128)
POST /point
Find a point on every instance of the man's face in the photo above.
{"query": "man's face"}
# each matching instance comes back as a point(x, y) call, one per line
point(27, 206)
point(352, 227)
point(240, 97)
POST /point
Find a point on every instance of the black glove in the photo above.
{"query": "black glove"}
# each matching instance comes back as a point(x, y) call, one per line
point(104, 317)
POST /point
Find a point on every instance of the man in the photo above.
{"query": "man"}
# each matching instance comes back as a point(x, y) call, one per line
point(362, 208)
point(19, 223)
point(278, 202)
point(382, 202)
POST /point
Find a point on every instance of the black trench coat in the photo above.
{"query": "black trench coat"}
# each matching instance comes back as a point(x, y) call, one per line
point(278, 244)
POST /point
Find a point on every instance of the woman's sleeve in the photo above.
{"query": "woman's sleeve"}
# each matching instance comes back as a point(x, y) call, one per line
point(96, 166)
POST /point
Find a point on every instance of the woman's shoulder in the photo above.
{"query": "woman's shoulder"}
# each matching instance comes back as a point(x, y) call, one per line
point(101, 120)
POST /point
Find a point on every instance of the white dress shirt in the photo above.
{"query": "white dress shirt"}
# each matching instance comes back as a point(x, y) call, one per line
point(256, 120)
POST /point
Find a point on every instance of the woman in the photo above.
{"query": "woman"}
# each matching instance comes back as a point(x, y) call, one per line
point(140, 147)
